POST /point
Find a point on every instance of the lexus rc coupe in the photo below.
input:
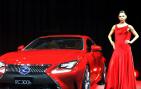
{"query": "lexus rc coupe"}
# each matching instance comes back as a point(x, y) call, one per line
point(53, 62)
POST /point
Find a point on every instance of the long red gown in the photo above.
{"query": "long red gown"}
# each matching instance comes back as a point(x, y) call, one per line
point(120, 74)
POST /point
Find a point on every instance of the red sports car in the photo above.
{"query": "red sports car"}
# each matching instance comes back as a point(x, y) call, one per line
point(53, 62)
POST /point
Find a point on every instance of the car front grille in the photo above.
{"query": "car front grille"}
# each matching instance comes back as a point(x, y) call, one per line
point(33, 68)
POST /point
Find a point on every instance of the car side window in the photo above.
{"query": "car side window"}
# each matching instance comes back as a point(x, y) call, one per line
point(89, 43)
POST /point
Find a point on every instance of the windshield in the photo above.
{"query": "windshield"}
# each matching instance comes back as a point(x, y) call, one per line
point(56, 43)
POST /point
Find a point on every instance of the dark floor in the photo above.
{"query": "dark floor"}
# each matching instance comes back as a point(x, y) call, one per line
point(102, 86)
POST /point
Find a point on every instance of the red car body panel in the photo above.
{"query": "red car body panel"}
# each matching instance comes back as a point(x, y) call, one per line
point(66, 80)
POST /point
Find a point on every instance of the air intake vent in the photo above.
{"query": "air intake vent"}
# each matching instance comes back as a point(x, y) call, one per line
point(33, 68)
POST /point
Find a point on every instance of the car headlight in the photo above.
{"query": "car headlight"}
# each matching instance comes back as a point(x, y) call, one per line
point(2, 68)
point(64, 67)
point(2, 64)
point(68, 65)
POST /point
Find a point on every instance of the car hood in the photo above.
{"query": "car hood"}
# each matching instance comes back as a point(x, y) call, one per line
point(41, 56)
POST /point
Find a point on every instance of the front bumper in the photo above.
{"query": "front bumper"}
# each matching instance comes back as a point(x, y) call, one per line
point(36, 77)
point(43, 78)
point(30, 80)
point(69, 80)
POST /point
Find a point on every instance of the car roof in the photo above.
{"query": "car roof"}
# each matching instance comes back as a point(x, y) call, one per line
point(80, 36)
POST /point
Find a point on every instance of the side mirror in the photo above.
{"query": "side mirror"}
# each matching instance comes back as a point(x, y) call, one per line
point(96, 48)
point(20, 48)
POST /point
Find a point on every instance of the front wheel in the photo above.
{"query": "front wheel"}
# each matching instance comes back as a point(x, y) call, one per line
point(86, 79)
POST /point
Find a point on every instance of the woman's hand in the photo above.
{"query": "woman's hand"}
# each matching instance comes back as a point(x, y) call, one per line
point(128, 42)
point(113, 46)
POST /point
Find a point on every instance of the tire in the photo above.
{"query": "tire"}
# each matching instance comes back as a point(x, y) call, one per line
point(86, 79)
point(103, 77)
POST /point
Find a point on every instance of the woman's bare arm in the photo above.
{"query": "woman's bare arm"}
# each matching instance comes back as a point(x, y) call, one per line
point(110, 37)
point(136, 36)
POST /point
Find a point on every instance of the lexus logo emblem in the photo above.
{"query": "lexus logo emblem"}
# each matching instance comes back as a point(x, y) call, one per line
point(24, 69)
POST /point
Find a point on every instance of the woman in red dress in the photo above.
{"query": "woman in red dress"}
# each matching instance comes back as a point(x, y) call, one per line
point(120, 74)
